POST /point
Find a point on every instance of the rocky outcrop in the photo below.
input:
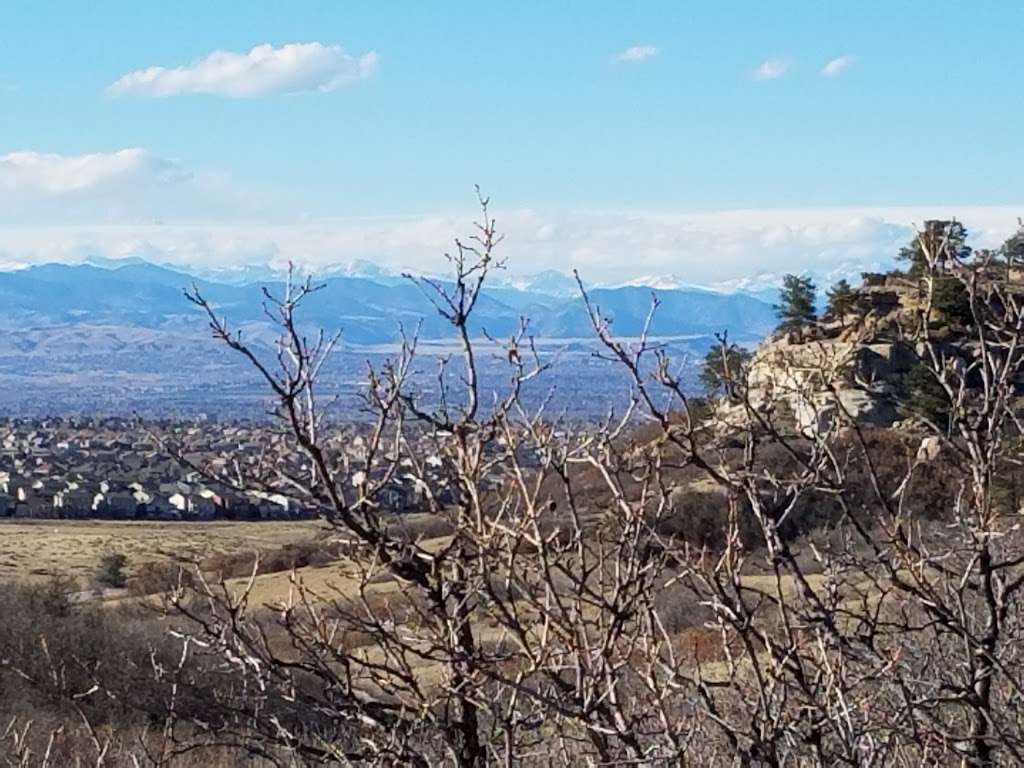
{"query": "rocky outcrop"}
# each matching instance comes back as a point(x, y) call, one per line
point(854, 367)
point(850, 368)
point(820, 380)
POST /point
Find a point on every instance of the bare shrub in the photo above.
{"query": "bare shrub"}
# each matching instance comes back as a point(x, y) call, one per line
point(714, 588)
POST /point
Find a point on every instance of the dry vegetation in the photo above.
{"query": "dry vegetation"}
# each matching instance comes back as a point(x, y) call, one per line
point(706, 590)
point(37, 551)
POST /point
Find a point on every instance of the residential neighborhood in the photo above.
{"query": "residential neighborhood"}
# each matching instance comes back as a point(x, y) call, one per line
point(126, 469)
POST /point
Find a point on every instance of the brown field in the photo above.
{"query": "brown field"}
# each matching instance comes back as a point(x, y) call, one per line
point(38, 550)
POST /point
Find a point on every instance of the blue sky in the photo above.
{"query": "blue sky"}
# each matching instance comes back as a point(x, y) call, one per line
point(612, 136)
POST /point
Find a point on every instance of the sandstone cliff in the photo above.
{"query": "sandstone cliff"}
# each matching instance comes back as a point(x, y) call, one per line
point(853, 366)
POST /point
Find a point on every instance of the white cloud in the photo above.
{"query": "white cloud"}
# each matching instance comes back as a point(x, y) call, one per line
point(637, 53)
point(263, 70)
point(126, 186)
point(133, 202)
point(771, 69)
point(838, 65)
point(47, 174)
point(606, 246)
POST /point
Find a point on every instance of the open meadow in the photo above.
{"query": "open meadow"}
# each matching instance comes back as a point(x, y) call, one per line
point(40, 550)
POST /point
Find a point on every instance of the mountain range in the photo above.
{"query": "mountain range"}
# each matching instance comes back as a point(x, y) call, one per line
point(119, 336)
point(369, 306)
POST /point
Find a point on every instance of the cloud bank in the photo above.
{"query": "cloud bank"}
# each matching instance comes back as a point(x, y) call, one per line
point(49, 174)
point(131, 202)
point(261, 71)
point(606, 246)
point(130, 185)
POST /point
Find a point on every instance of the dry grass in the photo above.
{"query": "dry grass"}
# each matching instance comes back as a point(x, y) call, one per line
point(39, 550)
point(36, 551)
point(321, 582)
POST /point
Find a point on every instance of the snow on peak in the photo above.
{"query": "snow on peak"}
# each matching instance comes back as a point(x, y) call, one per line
point(550, 282)
point(668, 282)
point(354, 268)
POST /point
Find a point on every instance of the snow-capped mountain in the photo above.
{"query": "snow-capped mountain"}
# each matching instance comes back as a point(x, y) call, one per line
point(141, 294)
point(763, 285)
point(238, 275)
point(766, 285)
point(550, 282)
point(665, 283)
point(261, 273)
point(355, 268)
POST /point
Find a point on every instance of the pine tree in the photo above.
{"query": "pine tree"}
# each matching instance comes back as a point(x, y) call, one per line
point(723, 367)
point(797, 298)
point(940, 241)
point(920, 394)
point(952, 301)
point(1013, 248)
point(842, 301)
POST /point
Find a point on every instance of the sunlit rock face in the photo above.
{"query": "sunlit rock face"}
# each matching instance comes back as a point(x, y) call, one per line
point(821, 380)
point(845, 369)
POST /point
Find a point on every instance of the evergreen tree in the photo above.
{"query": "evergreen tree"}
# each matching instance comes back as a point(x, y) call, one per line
point(921, 395)
point(944, 241)
point(952, 301)
point(797, 298)
point(111, 570)
point(842, 301)
point(1013, 248)
point(722, 367)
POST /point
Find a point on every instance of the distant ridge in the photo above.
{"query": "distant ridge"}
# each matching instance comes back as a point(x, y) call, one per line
point(763, 285)
point(368, 302)
point(118, 337)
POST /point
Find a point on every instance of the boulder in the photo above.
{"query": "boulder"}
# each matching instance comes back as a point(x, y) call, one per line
point(929, 449)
